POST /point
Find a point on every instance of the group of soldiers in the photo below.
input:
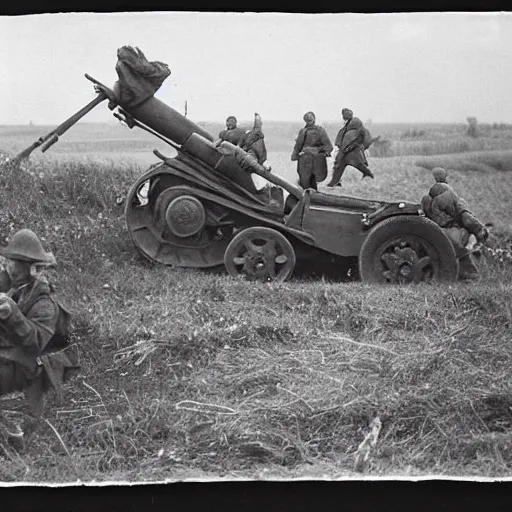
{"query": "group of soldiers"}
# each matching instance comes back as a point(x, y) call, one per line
point(251, 141)
point(312, 147)
point(34, 324)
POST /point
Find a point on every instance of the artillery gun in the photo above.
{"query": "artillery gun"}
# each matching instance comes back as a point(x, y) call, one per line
point(202, 209)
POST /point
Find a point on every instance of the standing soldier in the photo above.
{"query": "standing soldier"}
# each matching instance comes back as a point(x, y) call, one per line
point(32, 325)
point(350, 140)
point(312, 146)
point(451, 212)
point(232, 133)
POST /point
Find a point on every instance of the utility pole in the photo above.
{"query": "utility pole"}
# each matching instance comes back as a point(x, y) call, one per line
point(186, 109)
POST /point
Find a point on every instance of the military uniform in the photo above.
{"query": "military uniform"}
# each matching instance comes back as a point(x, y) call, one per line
point(234, 135)
point(29, 316)
point(312, 146)
point(254, 141)
point(452, 214)
point(351, 151)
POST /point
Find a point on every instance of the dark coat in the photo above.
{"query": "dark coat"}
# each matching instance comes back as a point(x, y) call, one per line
point(451, 212)
point(24, 336)
point(236, 136)
point(315, 145)
point(351, 134)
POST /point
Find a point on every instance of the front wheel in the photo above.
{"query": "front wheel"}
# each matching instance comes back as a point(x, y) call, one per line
point(260, 253)
point(407, 249)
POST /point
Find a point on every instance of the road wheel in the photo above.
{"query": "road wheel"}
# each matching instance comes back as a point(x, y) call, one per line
point(407, 249)
point(260, 254)
point(173, 227)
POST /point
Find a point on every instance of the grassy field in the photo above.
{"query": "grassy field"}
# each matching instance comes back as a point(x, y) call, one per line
point(191, 374)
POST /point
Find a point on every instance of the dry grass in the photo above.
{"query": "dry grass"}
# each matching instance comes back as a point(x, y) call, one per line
point(189, 373)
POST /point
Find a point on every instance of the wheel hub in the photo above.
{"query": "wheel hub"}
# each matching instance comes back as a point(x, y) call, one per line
point(403, 264)
point(185, 216)
point(260, 253)
point(405, 269)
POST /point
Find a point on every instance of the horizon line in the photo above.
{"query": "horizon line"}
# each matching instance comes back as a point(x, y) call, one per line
point(243, 121)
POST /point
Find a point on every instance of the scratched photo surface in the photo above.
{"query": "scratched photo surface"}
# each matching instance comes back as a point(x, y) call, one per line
point(232, 315)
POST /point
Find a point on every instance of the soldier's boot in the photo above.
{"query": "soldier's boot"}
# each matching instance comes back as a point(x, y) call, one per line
point(366, 171)
point(35, 396)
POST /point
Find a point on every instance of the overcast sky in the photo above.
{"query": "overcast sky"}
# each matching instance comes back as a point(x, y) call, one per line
point(388, 67)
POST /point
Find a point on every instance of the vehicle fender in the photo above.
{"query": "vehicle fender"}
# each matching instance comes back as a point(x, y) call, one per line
point(391, 210)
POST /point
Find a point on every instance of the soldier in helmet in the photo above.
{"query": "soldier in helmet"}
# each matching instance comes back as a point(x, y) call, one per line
point(451, 212)
point(31, 321)
point(232, 133)
point(350, 141)
point(312, 146)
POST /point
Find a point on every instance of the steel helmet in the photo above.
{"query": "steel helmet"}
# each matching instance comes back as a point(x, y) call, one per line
point(25, 245)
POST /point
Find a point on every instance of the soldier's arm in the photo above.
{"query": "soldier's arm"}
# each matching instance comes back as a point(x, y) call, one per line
point(466, 218)
point(299, 143)
point(35, 329)
point(326, 142)
point(473, 225)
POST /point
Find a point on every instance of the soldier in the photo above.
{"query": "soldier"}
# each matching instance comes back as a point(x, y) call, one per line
point(254, 142)
point(312, 146)
point(350, 141)
point(452, 213)
point(32, 323)
point(232, 133)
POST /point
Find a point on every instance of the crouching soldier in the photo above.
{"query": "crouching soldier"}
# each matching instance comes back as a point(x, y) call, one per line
point(451, 212)
point(33, 327)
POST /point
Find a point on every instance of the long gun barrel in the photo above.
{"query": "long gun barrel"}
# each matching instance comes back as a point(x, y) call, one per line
point(51, 138)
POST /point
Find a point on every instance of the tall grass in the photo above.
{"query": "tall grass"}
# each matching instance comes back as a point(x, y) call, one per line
point(190, 373)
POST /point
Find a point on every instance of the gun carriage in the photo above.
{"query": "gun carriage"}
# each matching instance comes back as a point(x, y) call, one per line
point(202, 209)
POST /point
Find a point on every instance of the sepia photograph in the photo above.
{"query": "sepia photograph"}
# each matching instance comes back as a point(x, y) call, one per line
point(255, 246)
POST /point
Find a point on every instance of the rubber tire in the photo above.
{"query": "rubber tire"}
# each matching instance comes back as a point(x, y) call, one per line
point(407, 225)
point(260, 230)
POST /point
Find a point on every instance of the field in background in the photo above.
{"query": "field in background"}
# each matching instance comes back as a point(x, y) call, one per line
point(191, 374)
point(405, 139)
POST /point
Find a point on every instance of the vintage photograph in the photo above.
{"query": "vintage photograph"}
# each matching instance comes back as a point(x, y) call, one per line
point(255, 246)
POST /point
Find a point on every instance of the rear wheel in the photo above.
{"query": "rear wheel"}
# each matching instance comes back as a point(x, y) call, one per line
point(407, 249)
point(174, 227)
point(260, 254)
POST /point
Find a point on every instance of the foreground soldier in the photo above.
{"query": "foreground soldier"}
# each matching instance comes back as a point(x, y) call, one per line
point(232, 133)
point(350, 141)
point(32, 324)
point(312, 146)
point(452, 213)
